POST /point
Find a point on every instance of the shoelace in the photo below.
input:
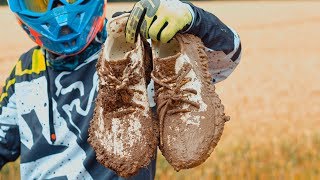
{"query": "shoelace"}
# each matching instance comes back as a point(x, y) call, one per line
point(174, 93)
point(122, 84)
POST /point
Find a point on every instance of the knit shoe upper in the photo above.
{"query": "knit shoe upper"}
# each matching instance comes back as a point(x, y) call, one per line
point(122, 131)
point(191, 116)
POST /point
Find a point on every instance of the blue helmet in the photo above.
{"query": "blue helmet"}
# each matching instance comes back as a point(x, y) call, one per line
point(64, 27)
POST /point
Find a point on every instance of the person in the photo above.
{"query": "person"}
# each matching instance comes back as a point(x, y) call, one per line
point(49, 97)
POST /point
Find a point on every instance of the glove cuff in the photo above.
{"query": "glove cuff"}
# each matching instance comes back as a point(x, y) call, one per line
point(192, 21)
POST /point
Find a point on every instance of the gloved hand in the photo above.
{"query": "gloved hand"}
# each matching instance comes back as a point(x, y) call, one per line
point(159, 20)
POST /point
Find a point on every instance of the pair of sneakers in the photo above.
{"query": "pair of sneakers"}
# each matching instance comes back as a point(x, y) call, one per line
point(189, 119)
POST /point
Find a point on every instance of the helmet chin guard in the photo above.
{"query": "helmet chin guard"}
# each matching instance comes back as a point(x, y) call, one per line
point(64, 28)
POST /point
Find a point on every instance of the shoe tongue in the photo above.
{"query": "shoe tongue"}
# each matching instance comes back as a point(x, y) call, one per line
point(116, 26)
point(117, 67)
point(167, 66)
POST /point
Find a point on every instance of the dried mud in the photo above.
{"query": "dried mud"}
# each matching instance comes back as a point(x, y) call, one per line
point(183, 144)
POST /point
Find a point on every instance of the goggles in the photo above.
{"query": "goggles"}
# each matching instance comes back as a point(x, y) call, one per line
point(38, 7)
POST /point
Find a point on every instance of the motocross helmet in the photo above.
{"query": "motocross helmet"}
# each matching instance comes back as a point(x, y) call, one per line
point(64, 27)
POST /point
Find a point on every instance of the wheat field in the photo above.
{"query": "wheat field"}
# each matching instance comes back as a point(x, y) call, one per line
point(273, 97)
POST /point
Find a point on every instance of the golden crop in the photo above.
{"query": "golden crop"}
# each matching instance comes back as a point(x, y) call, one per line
point(273, 97)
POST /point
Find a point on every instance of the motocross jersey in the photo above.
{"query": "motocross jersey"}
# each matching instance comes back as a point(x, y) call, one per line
point(47, 103)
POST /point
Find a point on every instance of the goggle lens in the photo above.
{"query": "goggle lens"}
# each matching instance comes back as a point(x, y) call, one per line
point(36, 5)
point(40, 6)
point(71, 1)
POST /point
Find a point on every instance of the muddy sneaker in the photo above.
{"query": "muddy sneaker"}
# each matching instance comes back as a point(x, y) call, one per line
point(122, 131)
point(191, 116)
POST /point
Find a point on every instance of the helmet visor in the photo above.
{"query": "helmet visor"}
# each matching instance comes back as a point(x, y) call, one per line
point(41, 6)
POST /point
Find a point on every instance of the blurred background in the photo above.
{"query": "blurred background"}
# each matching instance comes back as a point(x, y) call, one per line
point(273, 97)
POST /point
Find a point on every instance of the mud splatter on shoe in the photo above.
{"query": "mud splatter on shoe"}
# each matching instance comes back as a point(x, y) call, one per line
point(122, 131)
point(191, 116)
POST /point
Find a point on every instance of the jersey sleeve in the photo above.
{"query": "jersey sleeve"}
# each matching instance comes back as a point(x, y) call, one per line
point(223, 45)
point(9, 131)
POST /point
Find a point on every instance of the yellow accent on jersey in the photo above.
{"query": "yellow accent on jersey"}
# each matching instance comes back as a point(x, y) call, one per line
point(3, 95)
point(9, 83)
point(38, 64)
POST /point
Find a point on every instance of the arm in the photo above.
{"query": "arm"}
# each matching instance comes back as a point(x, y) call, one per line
point(9, 131)
point(160, 20)
point(223, 43)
